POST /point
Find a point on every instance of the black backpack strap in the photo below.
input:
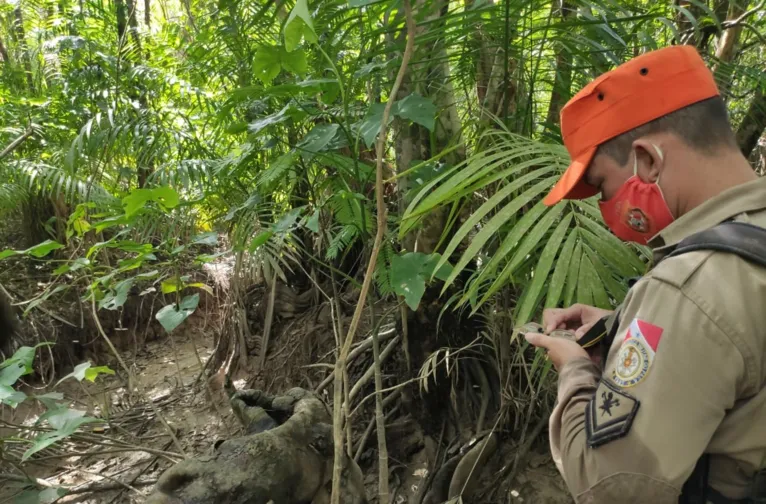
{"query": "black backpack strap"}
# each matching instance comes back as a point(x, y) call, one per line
point(746, 240)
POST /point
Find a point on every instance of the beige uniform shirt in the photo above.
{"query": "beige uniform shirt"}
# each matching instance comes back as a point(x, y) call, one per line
point(684, 376)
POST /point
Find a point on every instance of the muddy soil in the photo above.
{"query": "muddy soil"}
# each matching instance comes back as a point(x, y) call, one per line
point(196, 410)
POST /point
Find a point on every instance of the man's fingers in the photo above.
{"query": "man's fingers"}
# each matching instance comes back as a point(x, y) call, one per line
point(580, 332)
point(538, 340)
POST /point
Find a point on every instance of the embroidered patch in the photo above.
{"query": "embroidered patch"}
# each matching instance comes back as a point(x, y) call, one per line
point(636, 354)
point(637, 219)
point(609, 414)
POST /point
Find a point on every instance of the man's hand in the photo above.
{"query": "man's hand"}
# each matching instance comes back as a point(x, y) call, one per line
point(560, 350)
point(578, 317)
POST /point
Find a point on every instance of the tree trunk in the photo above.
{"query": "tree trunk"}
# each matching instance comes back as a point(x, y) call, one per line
point(562, 81)
point(147, 13)
point(133, 23)
point(122, 22)
point(3, 52)
point(725, 49)
point(24, 50)
point(752, 125)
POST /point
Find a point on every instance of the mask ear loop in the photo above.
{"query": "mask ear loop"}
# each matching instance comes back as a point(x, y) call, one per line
point(657, 182)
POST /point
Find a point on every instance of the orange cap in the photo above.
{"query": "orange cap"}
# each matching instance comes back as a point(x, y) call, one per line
point(647, 87)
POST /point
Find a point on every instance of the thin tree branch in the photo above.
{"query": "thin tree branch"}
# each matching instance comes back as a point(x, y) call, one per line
point(18, 141)
point(381, 208)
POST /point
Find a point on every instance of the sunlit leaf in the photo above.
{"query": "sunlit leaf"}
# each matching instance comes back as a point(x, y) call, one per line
point(266, 63)
point(171, 316)
point(298, 26)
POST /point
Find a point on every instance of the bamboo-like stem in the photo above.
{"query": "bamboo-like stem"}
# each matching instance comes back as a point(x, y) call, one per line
point(380, 419)
point(340, 363)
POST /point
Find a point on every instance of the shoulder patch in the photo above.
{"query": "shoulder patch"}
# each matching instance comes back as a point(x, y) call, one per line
point(636, 353)
point(609, 414)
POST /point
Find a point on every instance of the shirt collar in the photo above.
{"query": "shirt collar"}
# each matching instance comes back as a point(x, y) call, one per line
point(742, 198)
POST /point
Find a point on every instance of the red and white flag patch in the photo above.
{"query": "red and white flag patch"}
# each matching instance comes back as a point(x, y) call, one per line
point(649, 333)
point(636, 353)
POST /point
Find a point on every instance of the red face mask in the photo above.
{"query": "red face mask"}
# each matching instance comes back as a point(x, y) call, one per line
point(638, 211)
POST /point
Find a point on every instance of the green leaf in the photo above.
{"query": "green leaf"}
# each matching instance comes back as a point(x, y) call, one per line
point(491, 228)
point(49, 399)
point(172, 284)
point(10, 374)
point(11, 397)
point(45, 496)
point(259, 240)
point(584, 283)
point(369, 127)
point(572, 274)
point(24, 356)
point(45, 440)
point(530, 298)
point(43, 249)
point(86, 371)
point(406, 278)
point(318, 138)
point(298, 26)
point(313, 222)
point(558, 278)
point(171, 316)
point(116, 300)
point(135, 201)
point(418, 110)
point(430, 271)
point(164, 196)
point(210, 238)
point(294, 61)
point(266, 65)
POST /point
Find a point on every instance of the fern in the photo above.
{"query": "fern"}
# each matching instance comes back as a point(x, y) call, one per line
point(383, 268)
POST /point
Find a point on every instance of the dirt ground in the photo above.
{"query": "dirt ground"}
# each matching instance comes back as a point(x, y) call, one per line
point(135, 446)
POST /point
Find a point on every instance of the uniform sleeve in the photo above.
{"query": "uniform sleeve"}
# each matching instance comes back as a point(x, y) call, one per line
point(634, 432)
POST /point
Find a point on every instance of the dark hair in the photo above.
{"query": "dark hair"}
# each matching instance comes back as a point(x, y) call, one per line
point(704, 126)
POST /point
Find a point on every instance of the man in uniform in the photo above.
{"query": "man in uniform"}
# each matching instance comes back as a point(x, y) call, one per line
point(684, 375)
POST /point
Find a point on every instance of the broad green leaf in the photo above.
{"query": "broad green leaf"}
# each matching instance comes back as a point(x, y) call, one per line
point(530, 298)
point(287, 221)
point(210, 238)
point(299, 25)
point(49, 399)
point(171, 316)
point(7, 253)
point(406, 278)
point(318, 138)
point(369, 127)
point(45, 496)
point(313, 222)
point(45, 440)
point(10, 374)
point(294, 61)
point(136, 200)
point(11, 397)
point(166, 197)
point(430, 271)
point(24, 357)
point(86, 371)
point(258, 125)
point(266, 64)
point(43, 249)
point(573, 274)
point(118, 298)
point(417, 109)
point(200, 285)
point(58, 417)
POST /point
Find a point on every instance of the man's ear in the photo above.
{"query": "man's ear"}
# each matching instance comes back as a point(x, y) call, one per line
point(650, 160)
